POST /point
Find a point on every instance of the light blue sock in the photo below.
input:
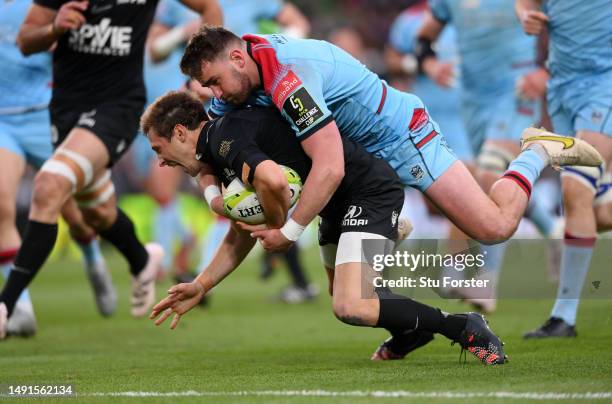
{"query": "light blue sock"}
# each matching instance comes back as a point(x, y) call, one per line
point(529, 164)
point(164, 231)
point(25, 295)
point(212, 241)
point(575, 263)
point(91, 252)
point(494, 259)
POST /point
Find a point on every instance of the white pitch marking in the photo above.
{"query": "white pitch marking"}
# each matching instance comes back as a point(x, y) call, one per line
point(375, 394)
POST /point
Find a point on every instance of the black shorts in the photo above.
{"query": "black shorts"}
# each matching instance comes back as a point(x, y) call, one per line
point(115, 123)
point(377, 212)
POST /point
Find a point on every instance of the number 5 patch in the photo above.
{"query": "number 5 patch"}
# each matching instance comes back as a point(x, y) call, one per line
point(302, 109)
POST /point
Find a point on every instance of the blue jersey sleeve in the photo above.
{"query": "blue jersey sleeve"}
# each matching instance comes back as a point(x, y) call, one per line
point(403, 31)
point(169, 13)
point(441, 10)
point(219, 107)
point(268, 8)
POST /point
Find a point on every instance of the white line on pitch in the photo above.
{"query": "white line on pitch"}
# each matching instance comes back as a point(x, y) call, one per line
point(373, 394)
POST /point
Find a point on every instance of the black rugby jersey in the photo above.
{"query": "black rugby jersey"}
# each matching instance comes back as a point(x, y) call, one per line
point(254, 134)
point(103, 59)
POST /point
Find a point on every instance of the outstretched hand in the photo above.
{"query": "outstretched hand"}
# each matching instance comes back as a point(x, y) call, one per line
point(181, 298)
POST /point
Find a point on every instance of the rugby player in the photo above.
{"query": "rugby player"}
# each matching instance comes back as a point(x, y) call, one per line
point(324, 92)
point(98, 95)
point(580, 104)
point(248, 143)
point(25, 138)
point(495, 55)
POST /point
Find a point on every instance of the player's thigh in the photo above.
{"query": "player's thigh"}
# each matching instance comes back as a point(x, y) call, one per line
point(12, 166)
point(603, 202)
point(589, 99)
point(457, 194)
point(12, 159)
point(35, 137)
point(102, 133)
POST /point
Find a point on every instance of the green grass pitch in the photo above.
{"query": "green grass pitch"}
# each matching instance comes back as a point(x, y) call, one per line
point(246, 342)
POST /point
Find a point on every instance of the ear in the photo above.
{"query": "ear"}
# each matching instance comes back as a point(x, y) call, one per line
point(179, 132)
point(237, 57)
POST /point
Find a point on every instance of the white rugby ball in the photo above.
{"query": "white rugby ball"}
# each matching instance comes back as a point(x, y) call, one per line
point(242, 204)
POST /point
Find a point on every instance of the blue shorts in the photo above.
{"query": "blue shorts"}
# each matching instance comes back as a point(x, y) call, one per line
point(27, 135)
point(420, 155)
point(456, 136)
point(582, 104)
point(503, 118)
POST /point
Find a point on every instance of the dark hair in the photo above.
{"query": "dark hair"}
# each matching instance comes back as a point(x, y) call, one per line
point(205, 46)
point(171, 109)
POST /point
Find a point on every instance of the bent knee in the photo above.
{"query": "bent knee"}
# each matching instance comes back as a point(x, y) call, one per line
point(355, 311)
point(100, 217)
point(496, 232)
point(50, 189)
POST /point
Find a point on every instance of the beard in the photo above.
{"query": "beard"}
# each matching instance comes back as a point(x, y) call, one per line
point(244, 88)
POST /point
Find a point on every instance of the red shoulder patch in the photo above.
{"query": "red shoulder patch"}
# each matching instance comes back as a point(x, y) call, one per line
point(419, 119)
point(285, 87)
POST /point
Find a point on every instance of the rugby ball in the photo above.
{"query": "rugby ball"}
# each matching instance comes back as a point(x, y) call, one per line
point(241, 203)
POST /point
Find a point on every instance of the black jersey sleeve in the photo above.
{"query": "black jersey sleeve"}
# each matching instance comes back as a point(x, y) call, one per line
point(234, 145)
point(52, 4)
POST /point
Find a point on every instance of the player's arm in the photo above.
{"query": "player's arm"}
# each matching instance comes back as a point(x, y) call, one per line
point(255, 168)
point(292, 20)
point(427, 60)
point(183, 297)
point(272, 190)
point(211, 188)
point(324, 147)
point(210, 10)
point(43, 26)
point(531, 17)
point(166, 34)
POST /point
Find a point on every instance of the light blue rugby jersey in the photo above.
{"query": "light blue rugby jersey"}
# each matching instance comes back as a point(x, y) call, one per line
point(25, 82)
point(242, 16)
point(580, 37)
point(442, 103)
point(239, 16)
point(493, 47)
point(166, 75)
point(312, 82)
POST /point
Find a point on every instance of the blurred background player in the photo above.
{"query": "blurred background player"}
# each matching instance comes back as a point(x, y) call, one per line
point(443, 102)
point(25, 138)
point(495, 54)
point(579, 104)
point(98, 95)
point(174, 23)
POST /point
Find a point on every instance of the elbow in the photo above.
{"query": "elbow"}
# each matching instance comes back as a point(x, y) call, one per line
point(25, 51)
point(277, 185)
